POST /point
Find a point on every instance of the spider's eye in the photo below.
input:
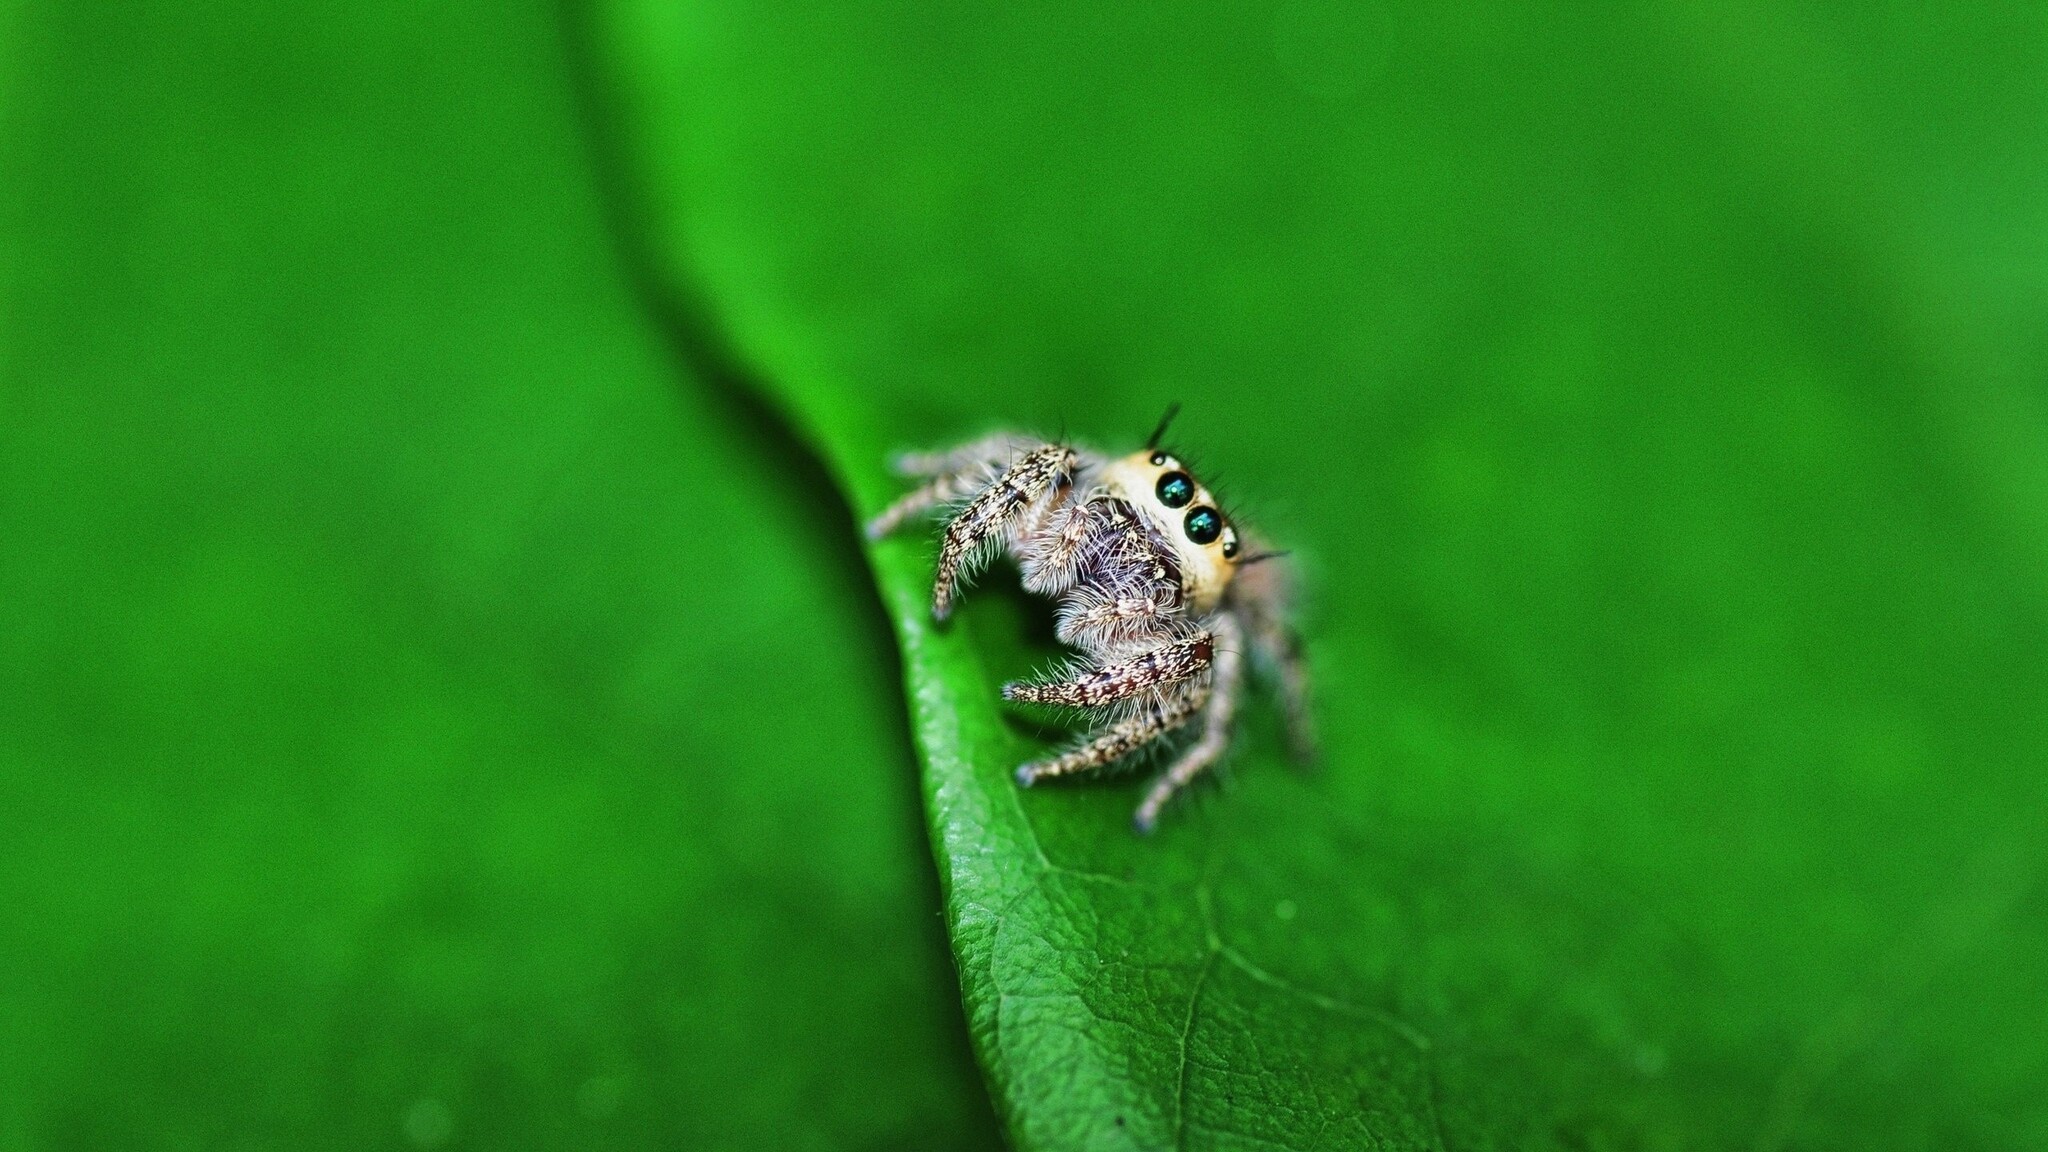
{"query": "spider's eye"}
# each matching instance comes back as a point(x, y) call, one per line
point(1158, 458)
point(1230, 545)
point(1176, 489)
point(1203, 524)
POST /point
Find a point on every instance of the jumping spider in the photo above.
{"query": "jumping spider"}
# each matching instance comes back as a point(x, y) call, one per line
point(1153, 585)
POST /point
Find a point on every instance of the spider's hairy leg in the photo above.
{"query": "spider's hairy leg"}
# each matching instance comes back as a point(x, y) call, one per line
point(1291, 688)
point(1169, 663)
point(944, 489)
point(1262, 596)
point(1119, 739)
point(1037, 474)
point(1224, 683)
point(1110, 621)
point(1048, 542)
point(951, 476)
point(999, 450)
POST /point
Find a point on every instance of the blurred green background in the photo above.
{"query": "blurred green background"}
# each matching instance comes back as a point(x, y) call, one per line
point(432, 715)
point(442, 703)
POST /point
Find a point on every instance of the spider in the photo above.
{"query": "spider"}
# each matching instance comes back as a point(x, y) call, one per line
point(1153, 583)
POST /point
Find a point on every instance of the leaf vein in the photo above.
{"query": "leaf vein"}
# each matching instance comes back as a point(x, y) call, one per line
point(1180, 1095)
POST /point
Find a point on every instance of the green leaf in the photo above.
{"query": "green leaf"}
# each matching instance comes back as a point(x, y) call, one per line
point(1653, 400)
point(430, 715)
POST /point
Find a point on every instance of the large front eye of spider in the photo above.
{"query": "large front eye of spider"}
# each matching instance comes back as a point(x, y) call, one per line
point(1203, 524)
point(1176, 489)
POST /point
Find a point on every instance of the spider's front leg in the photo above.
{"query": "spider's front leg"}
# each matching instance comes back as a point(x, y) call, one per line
point(1173, 669)
point(1167, 664)
point(1214, 699)
point(1037, 475)
point(1030, 477)
point(1121, 738)
point(954, 474)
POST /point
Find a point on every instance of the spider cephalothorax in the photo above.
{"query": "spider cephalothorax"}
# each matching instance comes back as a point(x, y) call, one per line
point(1155, 586)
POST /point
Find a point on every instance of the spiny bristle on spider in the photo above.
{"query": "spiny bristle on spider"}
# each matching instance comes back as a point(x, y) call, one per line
point(1165, 422)
point(1261, 557)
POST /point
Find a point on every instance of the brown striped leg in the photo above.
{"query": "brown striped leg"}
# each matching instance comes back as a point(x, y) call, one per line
point(1088, 619)
point(1037, 473)
point(1119, 739)
point(1166, 664)
point(1224, 683)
